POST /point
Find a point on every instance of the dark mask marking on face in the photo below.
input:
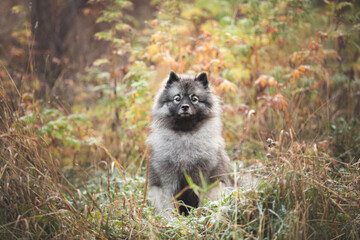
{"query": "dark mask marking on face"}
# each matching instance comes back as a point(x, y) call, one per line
point(185, 114)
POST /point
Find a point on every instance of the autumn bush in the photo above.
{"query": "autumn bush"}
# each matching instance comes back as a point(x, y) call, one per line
point(73, 155)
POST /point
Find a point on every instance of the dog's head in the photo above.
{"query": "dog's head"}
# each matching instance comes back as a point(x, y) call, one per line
point(185, 102)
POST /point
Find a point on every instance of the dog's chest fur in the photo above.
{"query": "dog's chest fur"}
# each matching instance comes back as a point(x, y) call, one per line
point(176, 152)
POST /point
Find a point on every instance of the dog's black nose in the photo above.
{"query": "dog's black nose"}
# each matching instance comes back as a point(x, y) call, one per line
point(185, 107)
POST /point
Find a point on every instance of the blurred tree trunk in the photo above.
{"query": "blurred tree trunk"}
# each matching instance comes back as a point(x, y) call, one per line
point(50, 28)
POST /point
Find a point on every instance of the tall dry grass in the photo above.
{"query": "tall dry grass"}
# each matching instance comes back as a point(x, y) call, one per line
point(302, 193)
point(30, 198)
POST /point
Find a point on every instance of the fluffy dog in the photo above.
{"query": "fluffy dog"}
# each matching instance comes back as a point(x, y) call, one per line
point(185, 138)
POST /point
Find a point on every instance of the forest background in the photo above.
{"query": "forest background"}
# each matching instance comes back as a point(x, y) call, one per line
point(77, 81)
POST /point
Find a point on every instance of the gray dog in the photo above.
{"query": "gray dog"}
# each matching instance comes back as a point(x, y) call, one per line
point(185, 137)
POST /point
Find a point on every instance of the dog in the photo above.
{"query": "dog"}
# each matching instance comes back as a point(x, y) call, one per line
point(186, 137)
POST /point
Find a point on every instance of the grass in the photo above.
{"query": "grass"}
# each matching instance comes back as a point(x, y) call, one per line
point(300, 194)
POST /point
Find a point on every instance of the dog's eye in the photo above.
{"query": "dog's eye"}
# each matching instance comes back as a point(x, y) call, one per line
point(194, 99)
point(177, 99)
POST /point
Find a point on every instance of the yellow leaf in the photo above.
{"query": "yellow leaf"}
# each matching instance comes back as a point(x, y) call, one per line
point(158, 36)
point(261, 81)
point(226, 86)
point(154, 22)
point(304, 68)
point(153, 50)
point(272, 81)
point(86, 11)
point(279, 102)
point(182, 30)
point(295, 74)
point(100, 61)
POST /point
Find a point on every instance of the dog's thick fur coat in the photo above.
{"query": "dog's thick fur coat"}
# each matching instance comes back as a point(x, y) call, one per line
point(185, 137)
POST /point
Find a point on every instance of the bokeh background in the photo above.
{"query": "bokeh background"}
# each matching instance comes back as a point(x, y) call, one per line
point(78, 79)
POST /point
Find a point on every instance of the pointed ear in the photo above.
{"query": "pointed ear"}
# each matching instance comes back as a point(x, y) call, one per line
point(203, 79)
point(173, 77)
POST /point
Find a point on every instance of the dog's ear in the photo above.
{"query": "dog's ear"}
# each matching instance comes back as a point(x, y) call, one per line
point(203, 79)
point(173, 77)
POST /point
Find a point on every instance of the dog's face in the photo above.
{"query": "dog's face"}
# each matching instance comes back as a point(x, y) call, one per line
point(186, 101)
